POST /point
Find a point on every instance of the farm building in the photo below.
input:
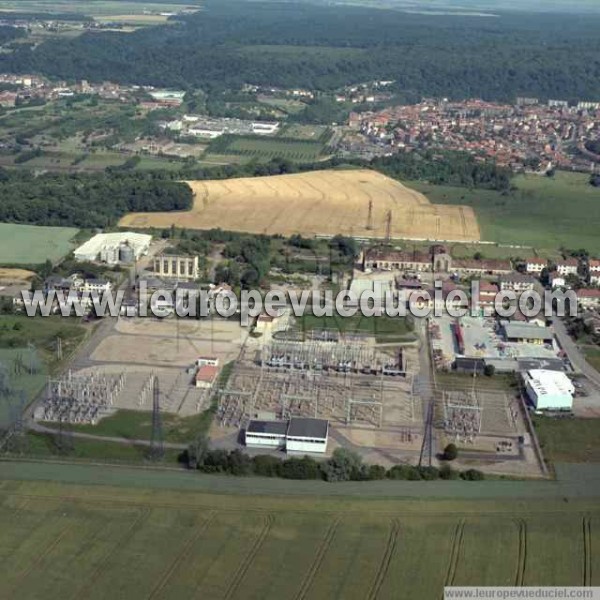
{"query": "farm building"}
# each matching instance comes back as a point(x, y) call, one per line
point(299, 435)
point(549, 390)
point(113, 248)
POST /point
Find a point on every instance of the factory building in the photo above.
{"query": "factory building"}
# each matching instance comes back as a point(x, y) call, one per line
point(178, 267)
point(549, 390)
point(299, 435)
point(114, 248)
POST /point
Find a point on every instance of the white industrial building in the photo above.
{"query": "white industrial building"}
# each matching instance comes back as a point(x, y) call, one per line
point(549, 390)
point(114, 248)
point(298, 435)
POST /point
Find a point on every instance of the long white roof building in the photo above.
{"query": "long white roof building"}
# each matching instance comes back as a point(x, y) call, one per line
point(94, 247)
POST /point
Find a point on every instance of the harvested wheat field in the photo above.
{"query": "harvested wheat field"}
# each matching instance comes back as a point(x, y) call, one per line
point(317, 203)
point(16, 275)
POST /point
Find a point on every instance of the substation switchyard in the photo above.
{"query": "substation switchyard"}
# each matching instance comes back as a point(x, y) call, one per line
point(347, 381)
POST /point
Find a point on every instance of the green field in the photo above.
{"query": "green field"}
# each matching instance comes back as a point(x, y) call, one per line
point(30, 245)
point(592, 355)
point(544, 212)
point(72, 541)
point(569, 440)
point(384, 328)
point(258, 147)
point(28, 366)
point(135, 424)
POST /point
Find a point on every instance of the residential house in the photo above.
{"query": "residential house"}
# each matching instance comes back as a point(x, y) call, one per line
point(568, 266)
point(556, 280)
point(588, 298)
point(535, 266)
point(516, 282)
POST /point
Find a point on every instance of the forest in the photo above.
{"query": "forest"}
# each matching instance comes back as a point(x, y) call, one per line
point(86, 200)
point(323, 47)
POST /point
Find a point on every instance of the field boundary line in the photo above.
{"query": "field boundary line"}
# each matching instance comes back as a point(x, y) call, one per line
point(162, 582)
point(521, 553)
point(130, 531)
point(384, 565)
point(457, 540)
point(111, 502)
point(316, 564)
point(247, 561)
point(587, 551)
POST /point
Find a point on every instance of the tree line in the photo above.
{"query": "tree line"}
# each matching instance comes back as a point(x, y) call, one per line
point(343, 465)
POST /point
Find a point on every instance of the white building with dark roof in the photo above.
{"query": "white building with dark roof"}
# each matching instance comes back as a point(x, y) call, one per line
point(298, 435)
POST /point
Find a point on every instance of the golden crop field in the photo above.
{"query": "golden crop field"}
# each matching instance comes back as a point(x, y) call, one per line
point(15, 275)
point(317, 203)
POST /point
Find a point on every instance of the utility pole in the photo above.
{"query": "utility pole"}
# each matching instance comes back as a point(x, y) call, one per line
point(370, 216)
point(388, 226)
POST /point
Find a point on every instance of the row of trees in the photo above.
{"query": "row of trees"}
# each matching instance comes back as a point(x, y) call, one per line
point(343, 465)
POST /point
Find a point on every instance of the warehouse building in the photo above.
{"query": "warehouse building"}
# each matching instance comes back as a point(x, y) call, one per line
point(114, 248)
point(527, 333)
point(549, 390)
point(298, 435)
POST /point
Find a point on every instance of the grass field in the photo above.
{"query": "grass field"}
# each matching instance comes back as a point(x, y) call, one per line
point(17, 362)
point(68, 541)
point(592, 355)
point(544, 212)
point(27, 367)
point(384, 328)
point(319, 202)
point(569, 440)
point(134, 424)
point(267, 148)
point(30, 245)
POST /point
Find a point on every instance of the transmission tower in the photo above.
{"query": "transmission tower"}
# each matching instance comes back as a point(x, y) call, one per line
point(157, 449)
point(17, 442)
point(59, 352)
point(388, 226)
point(370, 216)
point(64, 438)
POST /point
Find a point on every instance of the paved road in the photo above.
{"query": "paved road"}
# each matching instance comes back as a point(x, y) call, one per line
point(574, 353)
